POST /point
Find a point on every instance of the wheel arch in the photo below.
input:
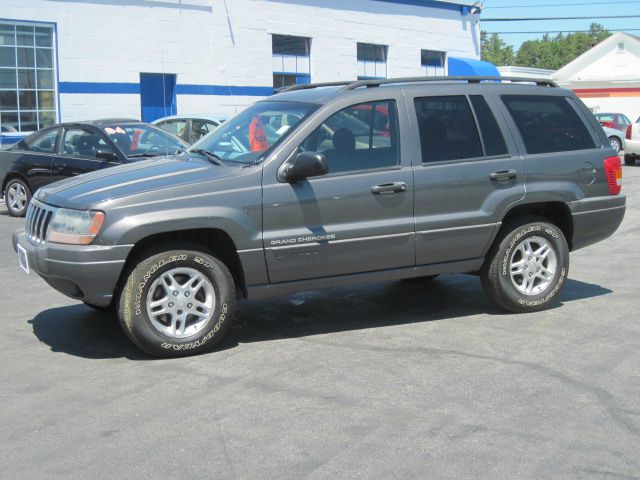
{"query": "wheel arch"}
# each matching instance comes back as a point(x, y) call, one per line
point(557, 213)
point(10, 176)
point(213, 240)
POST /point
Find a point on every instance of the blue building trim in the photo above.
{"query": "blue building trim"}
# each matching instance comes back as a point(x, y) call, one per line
point(224, 90)
point(98, 87)
point(185, 89)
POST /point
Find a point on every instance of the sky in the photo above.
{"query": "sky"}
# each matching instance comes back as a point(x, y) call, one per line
point(557, 8)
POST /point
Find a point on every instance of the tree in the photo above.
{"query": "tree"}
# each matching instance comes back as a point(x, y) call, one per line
point(495, 50)
point(554, 53)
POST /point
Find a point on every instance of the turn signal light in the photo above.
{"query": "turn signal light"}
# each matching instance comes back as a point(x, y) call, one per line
point(613, 171)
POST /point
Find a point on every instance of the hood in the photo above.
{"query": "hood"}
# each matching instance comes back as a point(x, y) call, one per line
point(109, 184)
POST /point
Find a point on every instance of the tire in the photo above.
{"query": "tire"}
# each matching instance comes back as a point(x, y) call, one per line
point(616, 144)
point(17, 196)
point(190, 327)
point(629, 160)
point(508, 286)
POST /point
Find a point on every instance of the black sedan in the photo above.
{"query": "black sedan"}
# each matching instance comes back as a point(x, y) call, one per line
point(69, 149)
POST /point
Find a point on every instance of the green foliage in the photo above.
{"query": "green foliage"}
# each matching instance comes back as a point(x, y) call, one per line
point(495, 50)
point(549, 52)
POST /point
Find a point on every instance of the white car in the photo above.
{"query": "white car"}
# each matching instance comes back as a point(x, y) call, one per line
point(632, 144)
point(616, 138)
point(190, 128)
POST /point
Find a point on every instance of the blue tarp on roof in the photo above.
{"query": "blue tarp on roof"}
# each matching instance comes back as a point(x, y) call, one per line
point(470, 66)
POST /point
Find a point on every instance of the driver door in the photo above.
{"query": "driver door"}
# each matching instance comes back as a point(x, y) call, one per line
point(359, 216)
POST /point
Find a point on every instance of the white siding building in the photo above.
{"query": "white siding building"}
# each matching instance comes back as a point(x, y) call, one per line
point(64, 60)
point(607, 77)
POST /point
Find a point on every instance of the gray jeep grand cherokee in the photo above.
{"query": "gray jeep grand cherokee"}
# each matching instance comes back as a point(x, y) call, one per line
point(333, 184)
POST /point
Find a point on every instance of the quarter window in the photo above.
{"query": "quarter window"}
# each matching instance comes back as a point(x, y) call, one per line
point(491, 134)
point(548, 123)
point(359, 137)
point(447, 129)
point(27, 80)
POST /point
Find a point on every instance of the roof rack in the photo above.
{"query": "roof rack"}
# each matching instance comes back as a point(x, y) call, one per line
point(349, 85)
point(307, 86)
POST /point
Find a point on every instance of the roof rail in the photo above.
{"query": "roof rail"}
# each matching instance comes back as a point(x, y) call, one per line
point(470, 79)
point(307, 86)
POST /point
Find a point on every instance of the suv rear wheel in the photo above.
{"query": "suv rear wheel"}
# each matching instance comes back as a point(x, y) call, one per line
point(527, 267)
point(177, 302)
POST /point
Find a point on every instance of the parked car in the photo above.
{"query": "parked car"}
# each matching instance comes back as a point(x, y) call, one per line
point(632, 144)
point(616, 138)
point(469, 177)
point(190, 128)
point(619, 121)
point(70, 149)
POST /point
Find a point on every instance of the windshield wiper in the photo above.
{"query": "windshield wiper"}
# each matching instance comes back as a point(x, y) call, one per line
point(212, 157)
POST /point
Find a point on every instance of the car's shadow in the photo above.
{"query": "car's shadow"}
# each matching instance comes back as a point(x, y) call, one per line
point(80, 331)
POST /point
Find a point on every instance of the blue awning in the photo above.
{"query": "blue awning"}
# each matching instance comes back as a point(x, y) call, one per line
point(470, 66)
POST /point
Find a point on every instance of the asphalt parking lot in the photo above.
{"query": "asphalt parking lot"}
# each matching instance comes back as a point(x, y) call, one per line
point(397, 380)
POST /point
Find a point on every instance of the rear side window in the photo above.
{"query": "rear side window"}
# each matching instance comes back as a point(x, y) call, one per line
point(548, 123)
point(44, 142)
point(491, 134)
point(447, 129)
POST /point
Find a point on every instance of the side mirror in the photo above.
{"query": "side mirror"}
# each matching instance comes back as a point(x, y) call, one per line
point(108, 156)
point(305, 165)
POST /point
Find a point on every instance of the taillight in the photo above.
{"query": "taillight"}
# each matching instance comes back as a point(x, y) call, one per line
point(628, 134)
point(613, 171)
point(605, 123)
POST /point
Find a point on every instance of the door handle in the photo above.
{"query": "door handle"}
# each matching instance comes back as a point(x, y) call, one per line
point(503, 175)
point(392, 187)
point(59, 166)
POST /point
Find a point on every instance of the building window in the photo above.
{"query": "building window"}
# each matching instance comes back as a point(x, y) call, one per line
point(432, 62)
point(27, 78)
point(372, 61)
point(291, 60)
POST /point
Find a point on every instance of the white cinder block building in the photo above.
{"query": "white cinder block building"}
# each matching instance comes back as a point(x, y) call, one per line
point(64, 60)
point(607, 77)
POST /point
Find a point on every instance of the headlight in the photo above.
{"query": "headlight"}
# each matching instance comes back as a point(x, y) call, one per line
point(78, 227)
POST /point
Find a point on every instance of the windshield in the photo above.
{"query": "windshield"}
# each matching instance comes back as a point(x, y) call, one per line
point(140, 140)
point(254, 132)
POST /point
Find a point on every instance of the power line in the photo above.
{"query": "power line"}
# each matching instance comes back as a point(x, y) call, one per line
point(561, 4)
point(535, 19)
point(570, 31)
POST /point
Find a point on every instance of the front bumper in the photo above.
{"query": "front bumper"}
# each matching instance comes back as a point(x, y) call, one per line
point(595, 219)
point(88, 272)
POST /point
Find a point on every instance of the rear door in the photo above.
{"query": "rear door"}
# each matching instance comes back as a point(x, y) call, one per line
point(358, 217)
point(467, 172)
point(33, 157)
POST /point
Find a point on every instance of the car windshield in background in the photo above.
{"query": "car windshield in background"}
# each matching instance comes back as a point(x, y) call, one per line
point(253, 133)
point(139, 140)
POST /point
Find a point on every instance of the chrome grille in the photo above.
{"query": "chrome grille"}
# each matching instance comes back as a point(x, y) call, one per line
point(37, 221)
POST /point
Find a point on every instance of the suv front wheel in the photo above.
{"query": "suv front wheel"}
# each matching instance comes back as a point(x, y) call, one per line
point(527, 267)
point(177, 302)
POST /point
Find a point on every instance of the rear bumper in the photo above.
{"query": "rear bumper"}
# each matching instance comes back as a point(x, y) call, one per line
point(88, 273)
point(595, 219)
